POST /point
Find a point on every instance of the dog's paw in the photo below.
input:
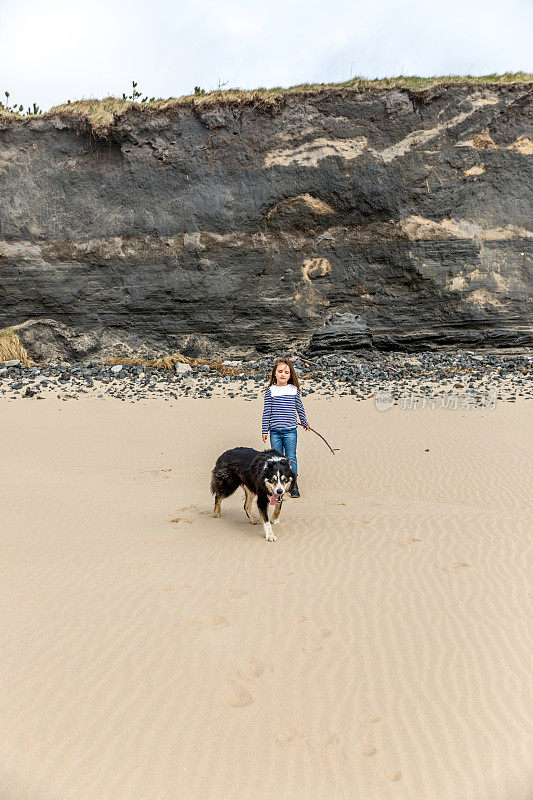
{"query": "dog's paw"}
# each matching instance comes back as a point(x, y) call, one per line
point(275, 522)
point(269, 536)
point(254, 520)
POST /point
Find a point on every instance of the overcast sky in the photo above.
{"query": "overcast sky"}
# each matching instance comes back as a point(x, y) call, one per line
point(55, 50)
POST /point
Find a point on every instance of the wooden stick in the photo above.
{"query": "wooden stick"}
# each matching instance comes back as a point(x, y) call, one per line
point(333, 449)
point(306, 361)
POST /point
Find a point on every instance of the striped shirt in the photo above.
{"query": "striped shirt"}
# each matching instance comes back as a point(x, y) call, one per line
point(281, 405)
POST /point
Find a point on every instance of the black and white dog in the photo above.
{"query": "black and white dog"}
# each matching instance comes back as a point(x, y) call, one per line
point(266, 473)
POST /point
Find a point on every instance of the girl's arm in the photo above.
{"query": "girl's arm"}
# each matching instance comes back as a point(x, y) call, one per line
point(300, 409)
point(266, 412)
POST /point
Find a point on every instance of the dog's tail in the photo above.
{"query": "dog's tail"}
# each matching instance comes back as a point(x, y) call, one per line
point(214, 483)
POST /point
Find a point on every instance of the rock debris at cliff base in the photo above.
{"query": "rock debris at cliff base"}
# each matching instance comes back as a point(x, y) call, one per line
point(433, 378)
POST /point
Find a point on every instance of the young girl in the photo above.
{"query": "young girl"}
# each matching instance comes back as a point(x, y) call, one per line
point(282, 401)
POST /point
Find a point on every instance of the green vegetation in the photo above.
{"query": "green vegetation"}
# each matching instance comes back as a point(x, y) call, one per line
point(19, 110)
point(100, 114)
point(135, 94)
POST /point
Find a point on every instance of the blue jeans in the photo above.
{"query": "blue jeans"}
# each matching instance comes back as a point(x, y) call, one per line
point(285, 442)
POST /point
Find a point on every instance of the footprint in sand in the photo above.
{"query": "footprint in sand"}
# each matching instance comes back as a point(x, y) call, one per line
point(371, 718)
point(455, 566)
point(321, 741)
point(392, 775)
point(301, 618)
point(257, 668)
point(154, 473)
point(253, 668)
point(368, 750)
point(326, 739)
point(314, 647)
point(289, 736)
point(236, 593)
point(218, 622)
point(292, 736)
point(240, 697)
point(164, 589)
point(164, 541)
point(409, 540)
point(191, 623)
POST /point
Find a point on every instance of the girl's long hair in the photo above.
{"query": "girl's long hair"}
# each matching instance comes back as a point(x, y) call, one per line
point(293, 377)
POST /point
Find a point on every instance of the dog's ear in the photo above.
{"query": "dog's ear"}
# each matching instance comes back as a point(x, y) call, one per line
point(290, 470)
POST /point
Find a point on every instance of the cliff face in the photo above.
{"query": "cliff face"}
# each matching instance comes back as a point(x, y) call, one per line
point(387, 219)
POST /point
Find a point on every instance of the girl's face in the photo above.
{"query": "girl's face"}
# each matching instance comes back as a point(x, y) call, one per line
point(283, 374)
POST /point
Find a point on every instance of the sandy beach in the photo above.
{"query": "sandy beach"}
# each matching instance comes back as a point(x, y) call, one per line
point(380, 649)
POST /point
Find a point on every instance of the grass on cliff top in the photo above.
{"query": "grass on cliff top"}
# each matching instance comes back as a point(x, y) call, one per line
point(99, 115)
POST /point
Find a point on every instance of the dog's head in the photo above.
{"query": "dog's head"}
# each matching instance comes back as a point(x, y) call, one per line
point(278, 476)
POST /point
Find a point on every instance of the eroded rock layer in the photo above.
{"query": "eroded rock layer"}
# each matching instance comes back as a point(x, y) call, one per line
point(387, 219)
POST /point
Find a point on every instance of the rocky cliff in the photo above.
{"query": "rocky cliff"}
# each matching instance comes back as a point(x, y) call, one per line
point(388, 219)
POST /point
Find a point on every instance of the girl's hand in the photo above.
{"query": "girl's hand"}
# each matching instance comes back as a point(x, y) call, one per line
point(265, 436)
point(307, 428)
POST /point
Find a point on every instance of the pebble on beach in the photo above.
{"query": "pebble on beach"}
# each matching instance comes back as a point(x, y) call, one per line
point(395, 376)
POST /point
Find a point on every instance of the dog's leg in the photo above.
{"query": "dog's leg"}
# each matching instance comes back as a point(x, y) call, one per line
point(277, 512)
point(248, 498)
point(218, 500)
point(262, 505)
